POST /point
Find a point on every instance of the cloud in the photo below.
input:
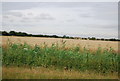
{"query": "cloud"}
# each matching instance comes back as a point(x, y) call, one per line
point(70, 20)
point(5, 16)
point(30, 14)
point(44, 16)
point(26, 16)
point(17, 14)
point(86, 15)
point(64, 18)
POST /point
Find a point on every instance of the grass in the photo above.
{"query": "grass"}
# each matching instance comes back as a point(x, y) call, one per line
point(13, 72)
point(69, 59)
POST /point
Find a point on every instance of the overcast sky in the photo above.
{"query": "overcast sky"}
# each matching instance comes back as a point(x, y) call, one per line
point(83, 19)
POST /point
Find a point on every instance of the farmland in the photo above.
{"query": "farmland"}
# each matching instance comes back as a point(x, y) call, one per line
point(93, 45)
point(84, 58)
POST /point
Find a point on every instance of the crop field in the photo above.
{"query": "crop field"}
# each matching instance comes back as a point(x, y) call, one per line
point(89, 44)
point(59, 58)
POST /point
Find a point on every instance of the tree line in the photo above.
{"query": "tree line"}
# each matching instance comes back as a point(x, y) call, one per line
point(14, 33)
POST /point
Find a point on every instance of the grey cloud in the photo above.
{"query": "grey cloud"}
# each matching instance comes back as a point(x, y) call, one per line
point(26, 19)
point(5, 16)
point(44, 16)
point(70, 20)
point(100, 27)
point(11, 20)
point(85, 15)
point(18, 5)
point(30, 14)
point(87, 18)
point(17, 14)
point(39, 17)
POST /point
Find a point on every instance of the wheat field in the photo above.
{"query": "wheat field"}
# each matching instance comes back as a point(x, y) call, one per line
point(89, 44)
point(79, 63)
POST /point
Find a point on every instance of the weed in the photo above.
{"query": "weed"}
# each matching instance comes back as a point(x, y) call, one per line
point(23, 54)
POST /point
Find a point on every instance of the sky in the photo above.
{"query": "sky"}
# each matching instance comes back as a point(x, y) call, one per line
point(60, 0)
point(81, 19)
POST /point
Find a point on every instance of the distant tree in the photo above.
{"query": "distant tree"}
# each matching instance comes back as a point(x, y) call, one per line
point(67, 37)
point(113, 39)
point(71, 37)
point(97, 39)
point(24, 34)
point(102, 38)
point(64, 36)
point(89, 38)
point(55, 36)
point(12, 33)
point(5, 33)
point(0, 33)
point(84, 38)
point(106, 39)
point(21, 34)
point(29, 35)
point(93, 38)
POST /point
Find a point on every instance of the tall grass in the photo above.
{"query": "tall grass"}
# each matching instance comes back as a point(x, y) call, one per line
point(60, 57)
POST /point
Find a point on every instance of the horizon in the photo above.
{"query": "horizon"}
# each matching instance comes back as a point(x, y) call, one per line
point(79, 19)
point(59, 35)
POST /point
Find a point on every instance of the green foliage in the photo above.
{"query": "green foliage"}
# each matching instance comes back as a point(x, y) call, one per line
point(23, 54)
point(93, 38)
